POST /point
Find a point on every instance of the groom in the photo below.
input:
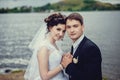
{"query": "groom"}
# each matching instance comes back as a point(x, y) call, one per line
point(84, 62)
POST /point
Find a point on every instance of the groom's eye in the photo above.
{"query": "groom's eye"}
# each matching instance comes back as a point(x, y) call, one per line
point(75, 26)
point(64, 31)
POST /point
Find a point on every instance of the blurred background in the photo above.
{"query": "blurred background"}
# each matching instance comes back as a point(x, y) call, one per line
point(20, 20)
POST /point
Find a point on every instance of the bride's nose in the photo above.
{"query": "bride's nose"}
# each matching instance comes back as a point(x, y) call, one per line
point(61, 33)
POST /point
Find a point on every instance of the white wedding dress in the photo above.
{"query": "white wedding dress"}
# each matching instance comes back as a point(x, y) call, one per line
point(54, 60)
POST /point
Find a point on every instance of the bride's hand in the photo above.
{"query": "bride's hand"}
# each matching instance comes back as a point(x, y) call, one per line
point(66, 59)
point(68, 55)
point(65, 54)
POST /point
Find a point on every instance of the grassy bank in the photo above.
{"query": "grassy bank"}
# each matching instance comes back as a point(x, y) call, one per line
point(15, 75)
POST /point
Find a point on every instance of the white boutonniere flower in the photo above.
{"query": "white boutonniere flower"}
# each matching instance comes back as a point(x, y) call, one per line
point(75, 60)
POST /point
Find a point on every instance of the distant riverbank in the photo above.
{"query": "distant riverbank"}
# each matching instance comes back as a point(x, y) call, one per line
point(67, 5)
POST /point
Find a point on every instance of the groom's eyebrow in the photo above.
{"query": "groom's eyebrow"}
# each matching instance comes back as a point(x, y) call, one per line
point(68, 26)
point(75, 24)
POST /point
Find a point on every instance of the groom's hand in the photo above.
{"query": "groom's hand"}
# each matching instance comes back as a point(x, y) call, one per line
point(66, 59)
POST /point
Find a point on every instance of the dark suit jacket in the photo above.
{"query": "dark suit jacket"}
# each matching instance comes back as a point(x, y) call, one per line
point(89, 62)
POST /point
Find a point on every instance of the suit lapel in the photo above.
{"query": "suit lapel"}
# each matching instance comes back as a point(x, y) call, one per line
point(77, 52)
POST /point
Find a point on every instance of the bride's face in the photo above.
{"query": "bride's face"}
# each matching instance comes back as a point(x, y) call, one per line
point(57, 32)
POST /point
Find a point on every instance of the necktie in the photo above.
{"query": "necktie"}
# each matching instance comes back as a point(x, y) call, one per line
point(71, 49)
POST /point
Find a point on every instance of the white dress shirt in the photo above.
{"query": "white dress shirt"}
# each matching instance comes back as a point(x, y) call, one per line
point(76, 43)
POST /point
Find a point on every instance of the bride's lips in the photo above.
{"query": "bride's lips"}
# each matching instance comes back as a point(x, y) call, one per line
point(59, 37)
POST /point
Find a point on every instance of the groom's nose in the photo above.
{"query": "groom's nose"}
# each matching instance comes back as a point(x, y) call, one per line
point(71, 29)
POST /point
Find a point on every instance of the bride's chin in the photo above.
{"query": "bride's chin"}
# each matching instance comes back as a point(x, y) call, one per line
point(58, 39)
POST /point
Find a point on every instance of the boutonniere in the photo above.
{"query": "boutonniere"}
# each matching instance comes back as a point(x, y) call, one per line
point(75, 60)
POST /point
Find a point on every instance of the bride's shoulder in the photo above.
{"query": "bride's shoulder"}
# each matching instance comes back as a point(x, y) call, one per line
point(44, 44)
point(44, 47)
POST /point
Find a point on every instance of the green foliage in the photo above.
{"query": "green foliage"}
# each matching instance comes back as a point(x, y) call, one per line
point(17, 71)
point(104, 78)
point(85, 5)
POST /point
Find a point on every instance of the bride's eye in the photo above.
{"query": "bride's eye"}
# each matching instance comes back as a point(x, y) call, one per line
point(58, 29)
point(64, 31)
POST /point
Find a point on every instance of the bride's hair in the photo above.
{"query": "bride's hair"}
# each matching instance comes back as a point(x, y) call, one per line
point(54, 20)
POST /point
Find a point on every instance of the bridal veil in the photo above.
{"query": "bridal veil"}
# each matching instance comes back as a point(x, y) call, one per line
point(32, 71)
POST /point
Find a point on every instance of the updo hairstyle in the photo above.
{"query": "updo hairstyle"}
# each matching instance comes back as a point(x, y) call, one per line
point(54, 20)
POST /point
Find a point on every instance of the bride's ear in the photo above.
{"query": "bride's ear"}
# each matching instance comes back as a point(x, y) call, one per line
point(49, 29)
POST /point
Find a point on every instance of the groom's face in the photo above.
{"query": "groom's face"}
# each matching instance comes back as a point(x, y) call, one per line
point(74, 29)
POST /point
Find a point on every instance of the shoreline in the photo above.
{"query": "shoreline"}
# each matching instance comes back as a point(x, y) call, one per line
point(18, 75)
point(14, 75)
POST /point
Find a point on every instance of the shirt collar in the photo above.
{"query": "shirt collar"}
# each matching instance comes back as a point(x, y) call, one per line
point(78, 41)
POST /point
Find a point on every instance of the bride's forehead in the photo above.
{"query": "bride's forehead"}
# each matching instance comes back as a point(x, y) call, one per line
point(61, 26)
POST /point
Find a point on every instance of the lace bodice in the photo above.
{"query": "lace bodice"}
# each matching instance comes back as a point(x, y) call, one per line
point(54, 60)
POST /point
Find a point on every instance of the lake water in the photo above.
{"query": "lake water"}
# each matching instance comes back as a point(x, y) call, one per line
point(17, 30)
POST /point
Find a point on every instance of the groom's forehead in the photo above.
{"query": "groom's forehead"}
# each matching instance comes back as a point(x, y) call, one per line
point(72, 21)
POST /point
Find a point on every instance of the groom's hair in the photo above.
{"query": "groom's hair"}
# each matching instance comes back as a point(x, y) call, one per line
point(75, 16)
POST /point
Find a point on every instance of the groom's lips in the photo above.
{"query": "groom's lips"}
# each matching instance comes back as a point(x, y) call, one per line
point(72, 34)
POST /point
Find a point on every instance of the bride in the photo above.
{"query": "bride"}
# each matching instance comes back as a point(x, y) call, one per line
point(46, 58)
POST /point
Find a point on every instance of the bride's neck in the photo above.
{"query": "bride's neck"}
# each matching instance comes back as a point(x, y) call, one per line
point(52, 41)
